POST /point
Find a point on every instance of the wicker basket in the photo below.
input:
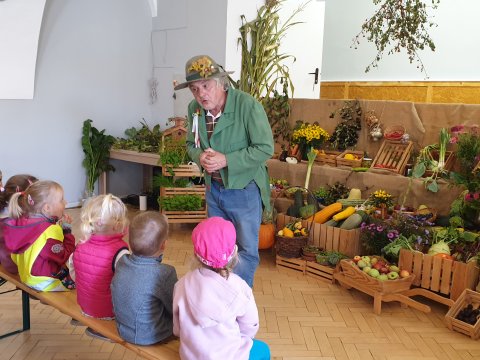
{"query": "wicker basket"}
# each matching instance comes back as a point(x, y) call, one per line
point(394, 132)
point(425, 211)
point(290, 247)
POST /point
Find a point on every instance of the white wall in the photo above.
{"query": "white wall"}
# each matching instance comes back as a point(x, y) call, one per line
point(94, 62)
point(456, 57)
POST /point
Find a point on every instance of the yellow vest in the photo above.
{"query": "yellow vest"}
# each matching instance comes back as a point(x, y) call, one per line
point(26, 260)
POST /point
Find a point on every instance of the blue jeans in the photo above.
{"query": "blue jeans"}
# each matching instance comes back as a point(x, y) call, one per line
point(243, 208)
point(259, 351)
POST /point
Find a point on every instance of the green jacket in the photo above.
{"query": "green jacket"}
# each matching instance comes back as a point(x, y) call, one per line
point(244, 135)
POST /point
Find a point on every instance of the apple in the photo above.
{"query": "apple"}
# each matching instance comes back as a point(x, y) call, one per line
point(357, 258)
point(382, 277)
point(394, 268)
point(367, 269)
point(382, 263)
point(377, 266)
point(361, 264)
point(392, 275)
point(404, 274)
point(373, 273)
point(384, 270)
point(366, 259)
point(373, 261)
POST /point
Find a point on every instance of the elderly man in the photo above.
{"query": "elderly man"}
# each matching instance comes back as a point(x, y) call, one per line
point(230, 138)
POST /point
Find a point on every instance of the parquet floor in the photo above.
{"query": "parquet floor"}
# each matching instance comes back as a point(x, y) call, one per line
point(301, 319)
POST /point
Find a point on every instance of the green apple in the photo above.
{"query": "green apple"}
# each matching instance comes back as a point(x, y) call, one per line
point(392, 275)
point(366, 269)
point(361, 264)
point(366, 259)
point(373, 273)
point(382, 277)
point(373, 261)
point(393, 268)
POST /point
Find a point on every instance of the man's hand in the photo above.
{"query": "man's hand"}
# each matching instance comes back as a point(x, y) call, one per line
point(212, 160)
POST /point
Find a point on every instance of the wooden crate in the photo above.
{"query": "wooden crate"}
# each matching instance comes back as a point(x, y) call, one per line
point(320, 272)
point(328, 238)
point(328, 157)
point(341, 161)
point(185, 216)
point(467, 297)
point(449, 161)
point(294, 264)
point(182, 170)
point(393, 156)
point(437, 275)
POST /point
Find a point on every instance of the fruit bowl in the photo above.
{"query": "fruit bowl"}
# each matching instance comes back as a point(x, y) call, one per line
point(351, 270)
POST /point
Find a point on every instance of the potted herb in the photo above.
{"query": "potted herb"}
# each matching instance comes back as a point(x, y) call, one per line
point(187, 202)
point(96, 147)
point(143, 139)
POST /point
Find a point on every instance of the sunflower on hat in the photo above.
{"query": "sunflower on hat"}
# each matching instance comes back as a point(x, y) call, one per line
point(203, 66)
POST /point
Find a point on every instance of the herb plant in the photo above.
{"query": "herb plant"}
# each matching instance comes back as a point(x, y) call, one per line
point(397, 25)
point(188, 202)
point(96, 147)
point(143, 139)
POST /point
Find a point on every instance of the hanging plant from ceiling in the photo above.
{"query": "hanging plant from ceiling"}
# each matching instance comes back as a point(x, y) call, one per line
point(397, 25)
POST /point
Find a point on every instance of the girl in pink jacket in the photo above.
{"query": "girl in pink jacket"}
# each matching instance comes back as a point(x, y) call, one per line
point(214, 311)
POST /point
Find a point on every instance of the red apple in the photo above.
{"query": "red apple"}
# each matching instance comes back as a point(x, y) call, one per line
point(404, 273)
point(384, 270)
point(377, 266)
point(357, 258)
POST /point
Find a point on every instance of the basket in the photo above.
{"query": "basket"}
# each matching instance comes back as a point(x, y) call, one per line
point(394, 132)
point(426, 211)
point(290, 247)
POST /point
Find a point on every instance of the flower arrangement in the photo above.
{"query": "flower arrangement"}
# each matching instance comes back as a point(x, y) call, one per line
point(309, 135)
point(376, 235)
point(203, 66)
point(380, 198)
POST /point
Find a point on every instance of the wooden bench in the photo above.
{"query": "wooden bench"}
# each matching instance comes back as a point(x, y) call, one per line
point(66, 302)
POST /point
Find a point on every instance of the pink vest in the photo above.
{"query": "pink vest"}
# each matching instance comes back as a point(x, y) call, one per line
point(93, 262)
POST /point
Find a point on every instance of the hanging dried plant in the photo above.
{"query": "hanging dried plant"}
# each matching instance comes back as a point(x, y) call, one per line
point(397, 25)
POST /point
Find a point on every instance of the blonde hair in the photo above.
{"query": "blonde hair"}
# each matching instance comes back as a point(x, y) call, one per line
point(33, 199)
point(148, 231)
point(102, 212)
point(224, 272)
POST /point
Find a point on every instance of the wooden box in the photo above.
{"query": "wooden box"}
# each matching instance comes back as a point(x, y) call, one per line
point(341, 161)
point(292, 264)
point(467, 297)
point(185, 216)
point(182, 170)
point(327, 237)
point(327, 157)
point(438, 275)
point(449, 161)
point(392, 156)
point(320, 272)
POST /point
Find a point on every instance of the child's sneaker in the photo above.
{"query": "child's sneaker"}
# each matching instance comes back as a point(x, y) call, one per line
point(92, 333)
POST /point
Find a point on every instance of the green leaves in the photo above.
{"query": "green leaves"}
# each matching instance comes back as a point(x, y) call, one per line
point(143, 139)
point(180, 202)
point(96, 148)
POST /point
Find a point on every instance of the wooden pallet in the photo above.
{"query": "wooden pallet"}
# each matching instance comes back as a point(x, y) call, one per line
point(328, 157)
point(341, 161)
point(436, 277)
point(185, 216)
point(182, 170)
point(393, 156)
point(320, 272)
point(381, 291)
point(292, 264)
point(467, 297)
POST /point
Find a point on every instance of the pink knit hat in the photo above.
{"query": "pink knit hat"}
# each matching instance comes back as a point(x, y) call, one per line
point(214, 242)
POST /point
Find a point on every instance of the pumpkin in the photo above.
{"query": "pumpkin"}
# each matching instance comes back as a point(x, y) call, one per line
point(266, 236)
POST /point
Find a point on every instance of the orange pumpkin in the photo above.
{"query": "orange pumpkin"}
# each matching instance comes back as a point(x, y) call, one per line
point(445, 256)
point(266, 236)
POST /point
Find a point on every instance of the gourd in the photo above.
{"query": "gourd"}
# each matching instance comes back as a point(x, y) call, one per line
point(331, 222)
point(266, 236)
point(344, 214)
point(326, 213)
point(352, 222)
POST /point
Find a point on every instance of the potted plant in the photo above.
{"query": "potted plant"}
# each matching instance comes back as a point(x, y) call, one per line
point(96, 147)
point(186, 202)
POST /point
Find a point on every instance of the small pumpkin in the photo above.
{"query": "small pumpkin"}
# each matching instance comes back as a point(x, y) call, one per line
point(266, 236)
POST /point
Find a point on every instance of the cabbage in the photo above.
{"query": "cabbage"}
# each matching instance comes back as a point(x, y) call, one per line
point(441, 247)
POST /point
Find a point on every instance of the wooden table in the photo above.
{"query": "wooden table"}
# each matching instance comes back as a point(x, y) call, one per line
point(146, 159)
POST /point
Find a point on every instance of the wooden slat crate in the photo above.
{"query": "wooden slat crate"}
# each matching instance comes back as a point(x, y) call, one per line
point(185, 216)
point(467, 297)
point(320, 272)
point(329, 238)
point(439, 275)
point(341, 161)
point(295, 265)
point(393, 156)
point(328, 157)
point(182, 170)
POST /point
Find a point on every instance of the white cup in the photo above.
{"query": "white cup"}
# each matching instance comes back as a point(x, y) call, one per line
point(142, 202)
